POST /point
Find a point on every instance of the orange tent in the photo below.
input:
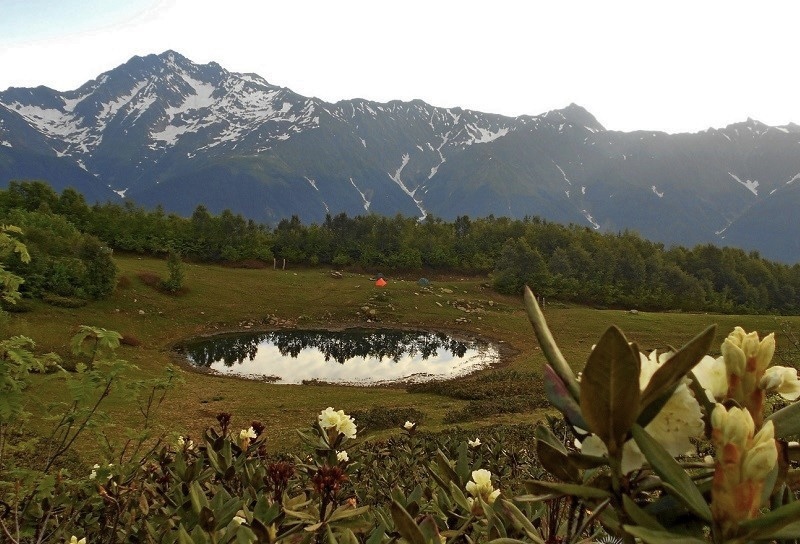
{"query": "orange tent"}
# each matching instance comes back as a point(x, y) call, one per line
point(380, 283)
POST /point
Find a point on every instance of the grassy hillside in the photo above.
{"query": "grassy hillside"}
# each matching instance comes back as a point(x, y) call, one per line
point(223, 299)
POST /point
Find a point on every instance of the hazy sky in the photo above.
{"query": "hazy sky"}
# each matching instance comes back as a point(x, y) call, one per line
point(670, 65)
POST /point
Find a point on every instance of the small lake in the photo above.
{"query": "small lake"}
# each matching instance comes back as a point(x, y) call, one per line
point(353, 356)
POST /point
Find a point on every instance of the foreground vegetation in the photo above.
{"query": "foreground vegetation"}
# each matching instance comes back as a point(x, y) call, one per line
point(111, 437)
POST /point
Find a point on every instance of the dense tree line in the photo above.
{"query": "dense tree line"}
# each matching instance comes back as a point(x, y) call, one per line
point(569, 263)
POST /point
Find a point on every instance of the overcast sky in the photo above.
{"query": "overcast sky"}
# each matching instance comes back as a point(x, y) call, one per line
point(677, 66)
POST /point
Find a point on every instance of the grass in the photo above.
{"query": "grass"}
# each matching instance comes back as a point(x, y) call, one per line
point(220, 299)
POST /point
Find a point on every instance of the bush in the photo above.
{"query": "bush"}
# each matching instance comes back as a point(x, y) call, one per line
point(387, 418)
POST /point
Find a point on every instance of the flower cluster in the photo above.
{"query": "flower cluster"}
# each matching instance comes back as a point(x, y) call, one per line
point(743, 461)
point(481, 486)
point(338, 421)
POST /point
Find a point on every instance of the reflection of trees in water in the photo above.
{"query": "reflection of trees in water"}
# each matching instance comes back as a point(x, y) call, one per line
point(339, 345)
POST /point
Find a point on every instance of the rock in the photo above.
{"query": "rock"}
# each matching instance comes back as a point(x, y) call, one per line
point(634, 312)
point(141, 312)
point(439, 304)
point(336, 274)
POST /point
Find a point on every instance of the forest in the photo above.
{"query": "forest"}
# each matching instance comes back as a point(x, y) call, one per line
point(73, 243)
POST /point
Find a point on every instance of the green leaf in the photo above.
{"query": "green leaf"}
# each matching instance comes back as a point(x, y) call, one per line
point(446, 468)
point(458, 496)
point(344, 512)
point(652, 536)
point(405, 524)
point(786, 421)
point(765, 526)
point(674, 370)
point(555, 462)
point(559, 396)
point(553, 489)
point(672, 473)
point(548, 344)
point(639, 516)
point(521, 520)
point(787, 532)
point(610, 389)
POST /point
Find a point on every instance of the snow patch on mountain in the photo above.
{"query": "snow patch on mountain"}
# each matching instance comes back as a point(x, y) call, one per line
point(363, 197)
point(562, 173)
point(750, 185)
point(590, 219)
point(399, 182)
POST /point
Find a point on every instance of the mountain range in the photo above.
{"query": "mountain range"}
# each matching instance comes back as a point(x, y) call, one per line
point(162, 130)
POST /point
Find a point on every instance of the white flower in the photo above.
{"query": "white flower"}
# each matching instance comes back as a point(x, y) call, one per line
point(181, 441)
point(342, 456)
point(782, 380)
point(330, 418)
point(248, 434)
point(474, 443)
point(481, 486)
point(238, 520)
point(408, 425)
point(679, 420)
point(93, 474)
point(74, 540)
point(712, 375)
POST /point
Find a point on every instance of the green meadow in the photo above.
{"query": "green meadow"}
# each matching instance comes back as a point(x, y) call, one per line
point(219, 299)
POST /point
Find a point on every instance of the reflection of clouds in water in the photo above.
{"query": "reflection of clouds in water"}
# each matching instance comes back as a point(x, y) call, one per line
point(310, 364)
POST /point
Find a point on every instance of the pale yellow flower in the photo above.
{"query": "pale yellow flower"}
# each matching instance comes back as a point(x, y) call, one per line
point(248, 433)
point(474, 443)
point(342, 456)
point(782, 380)
point(74, 540)
point(408, 425)
point(481, 486)
point(337, 419)
point(712, 375)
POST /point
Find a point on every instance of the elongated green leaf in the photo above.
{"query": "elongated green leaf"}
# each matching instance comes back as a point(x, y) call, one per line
point(344, 512)
point(610, 389)
point(458, 496)
point(638, 515)
point(786, 421)
point(652, 536)
point(405, 524)
point(447, 471)
point(559, 396)
point(558, 489)
point(672, 473)
point(555, 462)
point(673, 371)
point(521, 521)
point(548, 344)
point(787, 532)
point(765, 526)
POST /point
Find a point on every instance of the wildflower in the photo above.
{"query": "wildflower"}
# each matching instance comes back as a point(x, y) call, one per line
point(330, 419)
point(245, 435)
point(279, 475)
point(746, 360)
point(327, 482)
point(93, 474)
point(408, 425)
point(743, 461)
point(224, 419)
point(74, 540)
point(678, 421)
point(238, 520)
point(474, 443)
point(712, 376)
point(258, 427)
point(782, 380)
point(342, 456)
point(481, 486)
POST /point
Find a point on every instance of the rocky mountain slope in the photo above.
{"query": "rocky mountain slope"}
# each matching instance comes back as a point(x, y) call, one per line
point(162, 130)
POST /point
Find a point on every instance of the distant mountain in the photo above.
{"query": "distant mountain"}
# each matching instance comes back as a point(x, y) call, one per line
point(162, 130)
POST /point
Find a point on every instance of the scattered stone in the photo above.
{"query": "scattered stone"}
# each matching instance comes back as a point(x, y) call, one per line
point(634, 312)
point(439, 304)
point(336, 274)
point(446, 290)
point(141, 312)
point(491, 303)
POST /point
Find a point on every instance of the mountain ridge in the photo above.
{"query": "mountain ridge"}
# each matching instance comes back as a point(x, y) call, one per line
point(162, 130)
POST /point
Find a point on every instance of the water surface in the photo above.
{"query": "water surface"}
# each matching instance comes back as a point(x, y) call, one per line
point(353, 356)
